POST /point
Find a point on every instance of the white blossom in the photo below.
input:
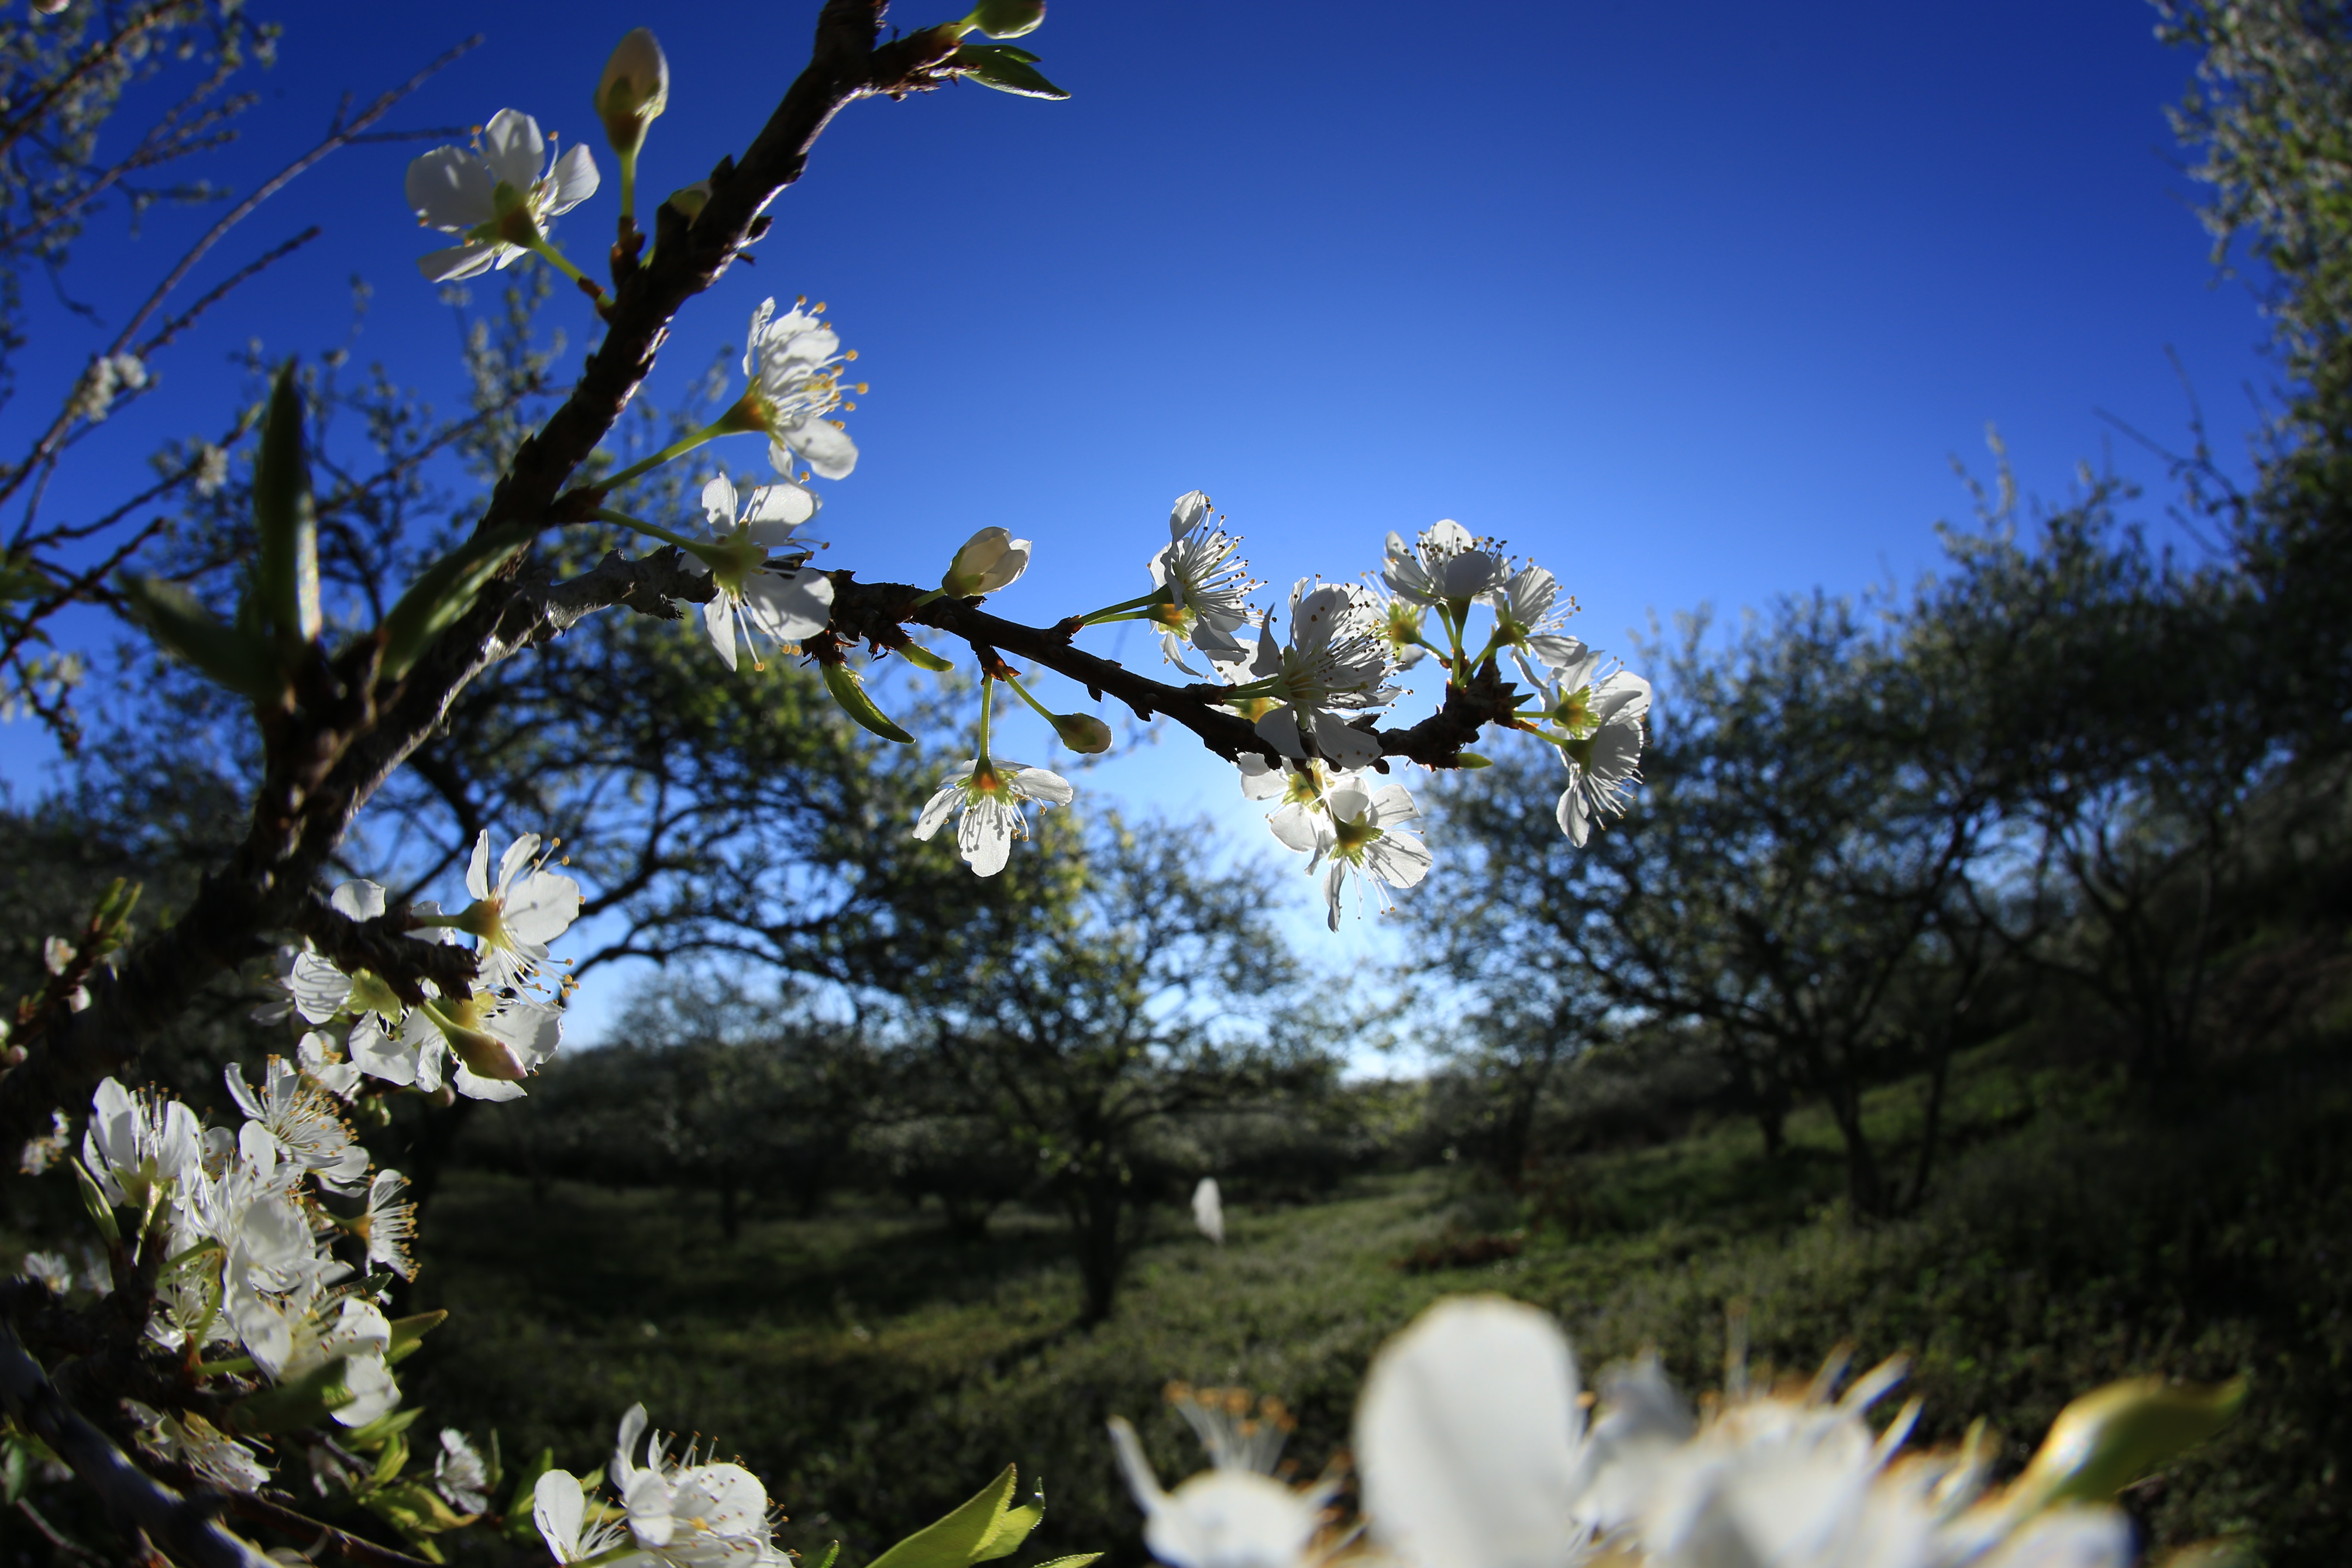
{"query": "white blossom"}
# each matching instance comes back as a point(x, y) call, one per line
point(1530, 623)
point(53, 1269)
point(299, 1114)
point(494, 1044)
point(1446, 566)
point(794, 363)
point(494, 195)
point(189, 1439)
point(1362, 833)
point(782, 607)
point(137, 1145)
point(1603, 762)
point(1234, 1514)
point(1335, 662)
point(1208, 584)
point(513, 919)
point(459, 1475)
point(686, 1512)
point(1209, 1210)
point(389, 1224)
point(989, 793)
point(560, 1509)
point(323, 1060)
point(39, 1154)
point(106, 377)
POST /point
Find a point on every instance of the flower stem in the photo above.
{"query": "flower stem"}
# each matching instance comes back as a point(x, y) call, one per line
point(987, 694)
point(1115, 612)
point(677, 448)
point(546, 251)
point(651, 530)
point(215, 1368)
point(1023, 692)
point(629, 188)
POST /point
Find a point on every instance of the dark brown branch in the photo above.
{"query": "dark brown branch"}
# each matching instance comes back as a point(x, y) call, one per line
point(183, 1526)
point(317, 1535)
point(385, 948)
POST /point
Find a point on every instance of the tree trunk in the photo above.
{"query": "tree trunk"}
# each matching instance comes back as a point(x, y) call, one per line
point(1865, 1188)
point(730, 1219)
point(1094, 1214)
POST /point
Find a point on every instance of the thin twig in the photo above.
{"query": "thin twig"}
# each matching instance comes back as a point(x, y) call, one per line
point(343, 1543)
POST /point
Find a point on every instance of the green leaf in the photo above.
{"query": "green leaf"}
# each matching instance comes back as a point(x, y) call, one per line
point(444, 592)
point(2121, 1434)
point(381, 1430)
point(1010, 1532)
point(407, 1333)
point(962, 1537)
point(1077, 1560)
point(831, 1552)
point(519, 1521)
point(305, 1402)
point(393, 1460)
point(1005, 69)
point(102, 1213)
point(286, 566)
point(850, 692)
point(922, 657)
point(237, 657)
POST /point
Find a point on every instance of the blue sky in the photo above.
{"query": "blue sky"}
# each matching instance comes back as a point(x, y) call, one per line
point(1693, 303)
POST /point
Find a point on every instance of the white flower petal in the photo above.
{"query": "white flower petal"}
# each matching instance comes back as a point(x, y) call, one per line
point(450, 188)
point(574, 182)
point(459, 262)
point(826, 448)
point(513, 148)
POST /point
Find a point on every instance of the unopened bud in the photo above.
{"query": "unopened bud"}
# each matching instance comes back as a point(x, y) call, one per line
point(634, 91)
point(1006, 18)
point(1471, 759)
point(990, 560)
point(1082, 732)
point(691, 199)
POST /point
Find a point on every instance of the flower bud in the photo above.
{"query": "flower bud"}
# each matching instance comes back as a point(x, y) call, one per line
point(1082, 732)
point(634, 91)
point(990, 560)
point(1006, 18)
point(691, 199)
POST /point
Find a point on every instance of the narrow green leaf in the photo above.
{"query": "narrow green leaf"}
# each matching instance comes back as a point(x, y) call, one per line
point(287, 565)
point(444, 592)
point(304, 1402)
point(995, 64)
point(1010, 1532)
point(519, 1521)
point(102, 1213)
point(850, 692)
point(1075, 1559)
point(407, 1333)
point(2123, 1432)
point(237, 658)
point(831, 1552)
point(958, 1538)
point(923, 659)
point(381, 1430)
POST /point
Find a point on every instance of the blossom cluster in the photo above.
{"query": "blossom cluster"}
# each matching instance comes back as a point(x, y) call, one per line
point(481, 1044)
point(681, 1510)
point(1474, 1450)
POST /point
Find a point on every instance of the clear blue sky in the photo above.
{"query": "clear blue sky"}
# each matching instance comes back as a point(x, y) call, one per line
point(1691, 303)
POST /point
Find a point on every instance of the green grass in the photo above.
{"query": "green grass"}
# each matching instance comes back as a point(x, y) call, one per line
point(874, 1371)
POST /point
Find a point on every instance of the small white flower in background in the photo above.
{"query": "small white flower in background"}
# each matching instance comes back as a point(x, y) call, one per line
point(989, 559)
point(794, 363)
point(298, 1115)
point(513, 920)
point(192, 1441)
point(1604, 763)
point(989, 793)
point(211, 470)
point(686, 1512)
point(1234, 1515)
point(1530, 621)
point(1209, 583)
point(57, 954)
point(459, 1475)
point(108, 376)
point(1335, 662)
point(560, 1509)
point(389, 1225)
point(1363, 833)
point(1446, 566)
point(494, 195)
point(1469, 1439)
point(783, 607)
point(54, 1269)
point(137, 1145)
point(1209, 1210)
point(39, 1154)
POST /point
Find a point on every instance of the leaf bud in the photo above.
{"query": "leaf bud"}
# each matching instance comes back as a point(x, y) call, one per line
point(1006, 18)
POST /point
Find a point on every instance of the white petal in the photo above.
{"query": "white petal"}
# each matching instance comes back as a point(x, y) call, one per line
point(938, 809)
point(450, 189)
point(1036, 783)
point(719, 504)
point(478, 868)
point(1295, 827)
point(827, 449)
point(1466, 1437)
point(1341, 745)
point(752, 339)
point(514, 149)
point(458, 262)
point(559, 1508)
point(574, 180)
point(517, 857)
point(474, 1086)
point(775, 510)
point(1261, 780)
point(1400, 859)
point(1189, 508)
point(985, 836)
point(1279, 729)
point(542, 909)
point(1571, 813)
point(1335, 876)
point(358, 901)
point(719, 620)
point(790, 606)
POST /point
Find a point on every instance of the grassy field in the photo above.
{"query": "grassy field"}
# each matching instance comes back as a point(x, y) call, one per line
point(874, 1371)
